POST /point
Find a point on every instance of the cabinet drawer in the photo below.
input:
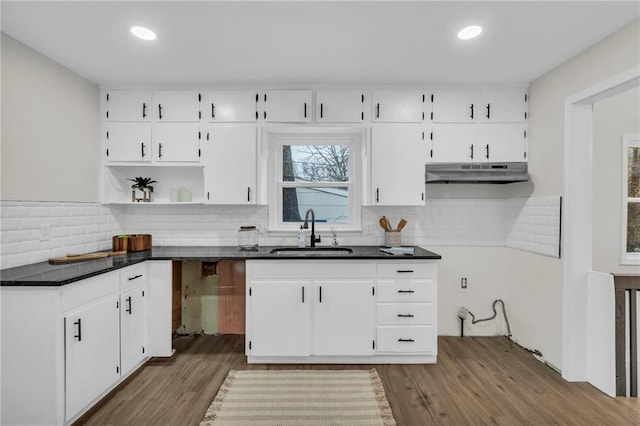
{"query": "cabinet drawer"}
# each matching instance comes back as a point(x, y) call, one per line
point(86, 291)
point(406, 339)
point(136, 275)
point(406, 290)
point(406, 270)
point(405, 313)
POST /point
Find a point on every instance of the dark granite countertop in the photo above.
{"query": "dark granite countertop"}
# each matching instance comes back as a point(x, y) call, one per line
point(46, 274)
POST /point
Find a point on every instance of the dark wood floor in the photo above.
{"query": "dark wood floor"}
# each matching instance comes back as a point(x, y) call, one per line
point(476, 381)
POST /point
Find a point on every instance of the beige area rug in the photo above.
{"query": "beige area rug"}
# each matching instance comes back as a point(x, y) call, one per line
point(300, 397)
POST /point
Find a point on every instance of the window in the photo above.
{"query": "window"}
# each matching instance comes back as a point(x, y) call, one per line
point(631, 199)
point(315, 169)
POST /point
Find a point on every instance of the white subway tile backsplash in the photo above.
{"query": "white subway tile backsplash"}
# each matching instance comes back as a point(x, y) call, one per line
point(528, 224)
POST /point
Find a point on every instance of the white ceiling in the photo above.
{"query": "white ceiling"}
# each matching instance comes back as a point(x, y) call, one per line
point(305, 42)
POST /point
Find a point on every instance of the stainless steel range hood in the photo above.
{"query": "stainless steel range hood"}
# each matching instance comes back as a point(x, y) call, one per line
point(476, 173)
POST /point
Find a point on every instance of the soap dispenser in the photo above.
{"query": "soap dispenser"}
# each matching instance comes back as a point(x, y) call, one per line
point(301, 242)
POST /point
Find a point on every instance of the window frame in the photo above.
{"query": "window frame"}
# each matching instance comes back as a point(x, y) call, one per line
point(278, 137)
point(629, 140)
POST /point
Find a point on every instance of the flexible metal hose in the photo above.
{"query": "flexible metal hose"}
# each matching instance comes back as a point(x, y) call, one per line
point(495, 314)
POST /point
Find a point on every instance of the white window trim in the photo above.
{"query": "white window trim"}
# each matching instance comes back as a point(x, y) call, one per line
point(629, 140)
point(277, 137)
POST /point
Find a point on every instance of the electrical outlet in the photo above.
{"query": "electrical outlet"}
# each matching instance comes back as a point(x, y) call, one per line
point(368, 229)
point(463, 282)
point(45, 232)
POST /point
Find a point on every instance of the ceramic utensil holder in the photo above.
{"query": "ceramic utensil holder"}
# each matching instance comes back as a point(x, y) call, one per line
point(392, 238)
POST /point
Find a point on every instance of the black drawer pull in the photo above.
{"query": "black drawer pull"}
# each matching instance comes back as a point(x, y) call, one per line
point(79, 335)
point(406, 340)
point(405, 315)
point(406, 291)
point(128, 300)
point(405, 271)
point(134, 277)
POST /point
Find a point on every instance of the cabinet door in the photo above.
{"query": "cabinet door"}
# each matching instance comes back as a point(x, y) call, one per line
point(177, 105)
point(454, 143)
point(454, 106)
point(339, 106)
point(398, 157)
point(279, 321)
point(176, 142)
point(92, 354)
point(398, 106)
point(230, 174)
point(231, 106)
point(504, 106)
point(129, 142)
point(133, 328)
point(502, 142)
point(288, 106)
point(343, 318)
point(128, 105)
point(159, 308)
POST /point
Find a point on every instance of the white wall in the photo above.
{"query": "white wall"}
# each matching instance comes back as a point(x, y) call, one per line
point(50, 121)
point(611, 118)
point(609, 57)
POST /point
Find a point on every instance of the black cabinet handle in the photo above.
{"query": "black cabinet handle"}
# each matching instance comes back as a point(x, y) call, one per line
point(472, 111)
point(320, 294)
point(213, 111)
point(378, 110)
point(305, 110)
point(487, 149)
point(321, 109)
point(144, 110)
point(377, 195)
point(142, 149)
point(472, 151)
point(406, 340)
point(406, 291)
point(160, 111)
point(405, 315)
point(135, 277)
point(159, 150)
point(128, 300)
point(302, 288)
point(248, 193)
point(488, 110)
point(79, 335)
point(404, 271)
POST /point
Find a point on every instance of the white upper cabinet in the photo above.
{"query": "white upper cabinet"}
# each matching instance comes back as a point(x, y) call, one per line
point(398, 156)
point(287, 106)
point(502, 143)
point(177, 105)
point(231, 106)
point(128, 142)
point(230, 164)
point(341, 106)
point(178, 142)
point(454, 143)
point(503, 106)
point(128, 105)
point(454, 106)
point(398, 106)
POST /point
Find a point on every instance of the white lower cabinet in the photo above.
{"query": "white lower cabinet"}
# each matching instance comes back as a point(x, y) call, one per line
point(356, 311)
point(78, 341)
point(92, 354)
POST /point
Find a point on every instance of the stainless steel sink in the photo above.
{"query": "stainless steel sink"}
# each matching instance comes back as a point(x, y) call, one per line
point(312, 251)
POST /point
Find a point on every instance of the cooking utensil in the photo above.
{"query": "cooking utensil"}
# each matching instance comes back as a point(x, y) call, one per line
point(69, 258)
point(383, 223)
point(401, 224)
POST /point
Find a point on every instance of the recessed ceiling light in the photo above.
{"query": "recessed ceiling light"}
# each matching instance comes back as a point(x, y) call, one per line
point(469, 32)
point(143, 33)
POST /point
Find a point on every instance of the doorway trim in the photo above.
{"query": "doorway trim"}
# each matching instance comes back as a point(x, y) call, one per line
point(577, 223)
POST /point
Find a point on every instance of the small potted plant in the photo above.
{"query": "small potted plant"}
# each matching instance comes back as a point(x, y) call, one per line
point(144, 184)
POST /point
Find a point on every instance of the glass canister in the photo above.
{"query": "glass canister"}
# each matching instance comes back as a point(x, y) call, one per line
point(248, 238)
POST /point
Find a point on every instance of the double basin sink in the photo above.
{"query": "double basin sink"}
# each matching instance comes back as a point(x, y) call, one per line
point(312, 251)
